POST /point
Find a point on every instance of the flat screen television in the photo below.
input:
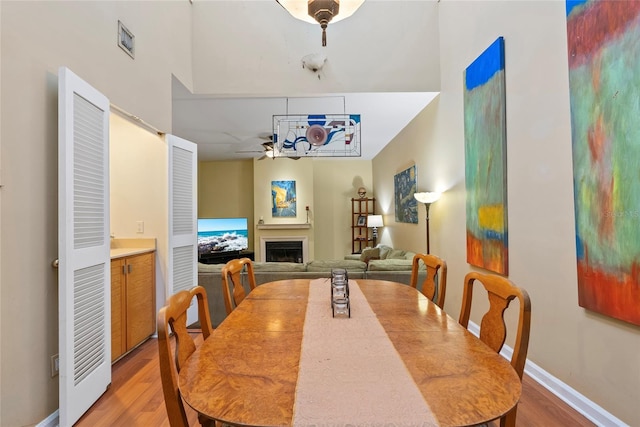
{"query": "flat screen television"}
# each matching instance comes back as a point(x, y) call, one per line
point(218, 235)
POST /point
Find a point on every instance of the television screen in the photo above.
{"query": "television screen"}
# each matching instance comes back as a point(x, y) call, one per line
point(217, 235)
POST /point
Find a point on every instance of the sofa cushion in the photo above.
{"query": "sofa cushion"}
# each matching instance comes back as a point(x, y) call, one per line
point(389, 265)
point(279, 266)
point(327, 265)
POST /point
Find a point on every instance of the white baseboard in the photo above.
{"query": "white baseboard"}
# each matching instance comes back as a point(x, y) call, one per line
point(592, 411)
point(51, 421)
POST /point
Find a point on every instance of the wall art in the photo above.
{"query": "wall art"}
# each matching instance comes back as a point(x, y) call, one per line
point(283, 199)
point(404, 185)
point(485, 138)
point(604, 91)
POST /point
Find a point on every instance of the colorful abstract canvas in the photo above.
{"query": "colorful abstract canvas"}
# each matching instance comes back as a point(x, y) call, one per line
point(603, 43)
point(404, 186)
point(283, 199)
point(486, 161)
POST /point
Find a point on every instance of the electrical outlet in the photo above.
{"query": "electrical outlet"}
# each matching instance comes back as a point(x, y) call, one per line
point(140, 227)
point(55, 365)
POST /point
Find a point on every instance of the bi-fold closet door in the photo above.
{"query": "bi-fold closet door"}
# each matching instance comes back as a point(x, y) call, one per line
point(84, 274)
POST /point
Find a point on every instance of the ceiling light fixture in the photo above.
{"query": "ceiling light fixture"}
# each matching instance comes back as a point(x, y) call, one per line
point(321, 11)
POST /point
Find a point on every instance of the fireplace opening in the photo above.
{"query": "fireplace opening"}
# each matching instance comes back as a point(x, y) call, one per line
point(284, 251)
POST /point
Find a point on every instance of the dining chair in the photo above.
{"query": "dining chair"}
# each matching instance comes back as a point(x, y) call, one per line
point(172, 319)
point(493, 330)
point(232, 288)
point(434, 285)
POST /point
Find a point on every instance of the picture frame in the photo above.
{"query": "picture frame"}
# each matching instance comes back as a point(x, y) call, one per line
point(362, 221)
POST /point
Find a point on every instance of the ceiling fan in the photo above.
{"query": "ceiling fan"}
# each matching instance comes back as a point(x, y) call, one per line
point(268, 150)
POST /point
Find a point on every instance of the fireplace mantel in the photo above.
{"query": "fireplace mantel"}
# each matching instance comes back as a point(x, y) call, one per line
point(284, 226)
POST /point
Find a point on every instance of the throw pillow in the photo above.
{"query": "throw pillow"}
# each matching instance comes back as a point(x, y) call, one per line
point(371, 253)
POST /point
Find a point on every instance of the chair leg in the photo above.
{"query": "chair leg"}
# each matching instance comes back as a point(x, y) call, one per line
point(206, 422)
point(509, 420)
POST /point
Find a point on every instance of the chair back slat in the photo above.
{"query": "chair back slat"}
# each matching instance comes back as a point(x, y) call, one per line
point(232, 288)
point(172, 320)
point(434, 286)
point(493, 330)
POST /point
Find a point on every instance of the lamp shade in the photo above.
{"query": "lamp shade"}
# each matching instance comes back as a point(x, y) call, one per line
point(427, 197)
point(300, 9)
point(374, 221)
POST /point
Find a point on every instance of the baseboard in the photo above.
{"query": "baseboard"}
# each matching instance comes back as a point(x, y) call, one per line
point(589, 409)
point(51, 421)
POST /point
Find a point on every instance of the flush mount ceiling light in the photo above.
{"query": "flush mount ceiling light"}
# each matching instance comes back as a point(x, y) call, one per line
point(321, 11)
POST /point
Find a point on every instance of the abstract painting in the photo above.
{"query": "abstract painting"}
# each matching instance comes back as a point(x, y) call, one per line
point(604, 91)
point(283, 199)
point(485, 138)
point(404, 185)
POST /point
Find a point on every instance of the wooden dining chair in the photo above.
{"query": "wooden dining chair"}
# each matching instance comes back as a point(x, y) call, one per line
point(172, 319)
point(434, 285)
point(232, 288)
point(493, 330)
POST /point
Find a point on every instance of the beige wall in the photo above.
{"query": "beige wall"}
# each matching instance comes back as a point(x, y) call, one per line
point(325, 185)
point(595, 355)
point(225, 189)
point(335, 182)
point(36, 39)
point(139, 190)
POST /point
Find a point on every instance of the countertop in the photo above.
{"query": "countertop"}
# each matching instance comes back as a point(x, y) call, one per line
point(127, 247)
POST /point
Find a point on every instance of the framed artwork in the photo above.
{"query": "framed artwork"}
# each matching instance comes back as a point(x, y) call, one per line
point(362, 221)
point(485, 139)
point(404, 186)
point(283, 199)
point(604, 95)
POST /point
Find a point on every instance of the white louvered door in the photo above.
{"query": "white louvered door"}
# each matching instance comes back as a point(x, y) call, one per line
point(84, 272)
point(182, 271)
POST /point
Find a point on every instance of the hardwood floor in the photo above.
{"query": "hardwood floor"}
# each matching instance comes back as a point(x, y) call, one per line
point(135, 399)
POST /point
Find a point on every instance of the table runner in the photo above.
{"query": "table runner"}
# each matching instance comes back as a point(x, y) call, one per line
point(350, 366)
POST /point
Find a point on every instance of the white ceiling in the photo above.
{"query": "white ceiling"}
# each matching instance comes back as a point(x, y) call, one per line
point(381, 63)
point(227, 128)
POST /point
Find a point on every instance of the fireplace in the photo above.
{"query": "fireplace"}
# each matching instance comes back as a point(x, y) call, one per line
point(284, 249)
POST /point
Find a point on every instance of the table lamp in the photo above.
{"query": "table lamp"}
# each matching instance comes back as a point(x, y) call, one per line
point(374, 221)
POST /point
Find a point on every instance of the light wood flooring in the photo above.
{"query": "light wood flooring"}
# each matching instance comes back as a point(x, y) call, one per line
point(135, 399)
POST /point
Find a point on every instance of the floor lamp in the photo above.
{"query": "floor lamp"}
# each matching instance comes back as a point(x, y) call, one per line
point(427, 198)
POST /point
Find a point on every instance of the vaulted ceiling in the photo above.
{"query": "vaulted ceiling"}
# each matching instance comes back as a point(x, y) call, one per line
point(382, 63)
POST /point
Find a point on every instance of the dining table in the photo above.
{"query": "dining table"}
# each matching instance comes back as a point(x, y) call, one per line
point(281, 358)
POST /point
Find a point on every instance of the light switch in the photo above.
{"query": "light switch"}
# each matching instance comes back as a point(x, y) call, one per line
point(140, 225)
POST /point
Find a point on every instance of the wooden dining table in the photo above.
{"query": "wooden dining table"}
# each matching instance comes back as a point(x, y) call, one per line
point(281, 359)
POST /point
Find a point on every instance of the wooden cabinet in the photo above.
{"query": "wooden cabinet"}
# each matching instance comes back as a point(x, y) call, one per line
point(361, 235)
point(133, 302)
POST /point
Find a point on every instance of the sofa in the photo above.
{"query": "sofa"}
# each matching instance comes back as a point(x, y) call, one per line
point(381, 263)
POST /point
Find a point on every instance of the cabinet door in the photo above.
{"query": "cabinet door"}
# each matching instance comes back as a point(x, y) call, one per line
point(140, 298)
point(118, 337)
